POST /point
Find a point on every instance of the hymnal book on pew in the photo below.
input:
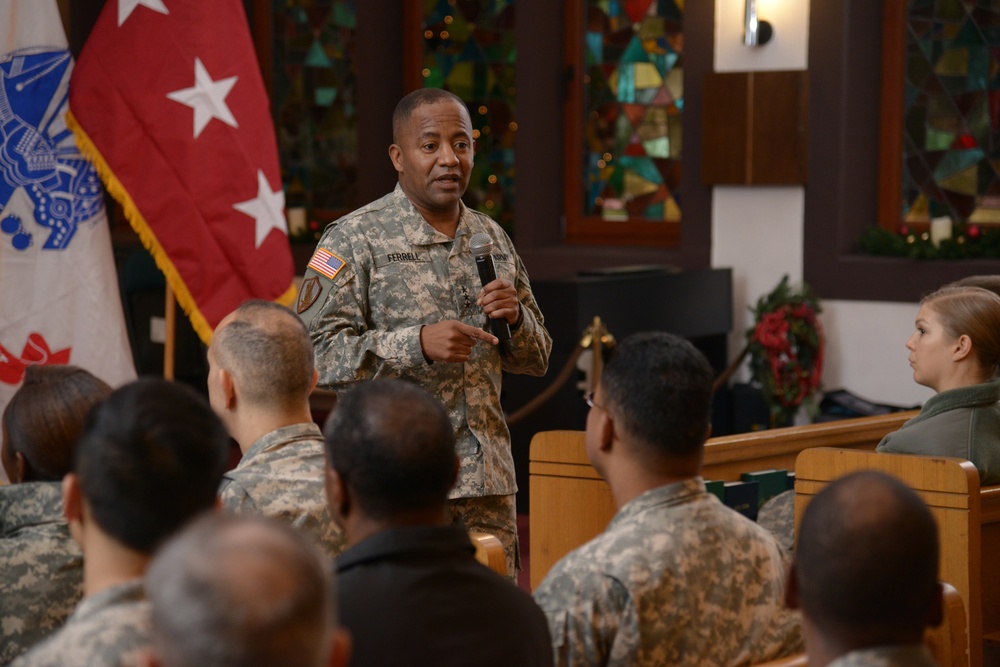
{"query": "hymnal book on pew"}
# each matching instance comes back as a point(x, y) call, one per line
point(742, 497)
point(716, 487)
point(772, 482)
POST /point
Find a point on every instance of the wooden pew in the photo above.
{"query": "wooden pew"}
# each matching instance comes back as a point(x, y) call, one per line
point(570, 503)
point(968, 521)
point(489, 551)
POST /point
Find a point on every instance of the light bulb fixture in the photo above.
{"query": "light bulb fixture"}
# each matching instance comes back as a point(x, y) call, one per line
point(755, 32)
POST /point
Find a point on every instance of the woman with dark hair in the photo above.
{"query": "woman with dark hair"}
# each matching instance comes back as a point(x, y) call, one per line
point(41, 569)
point(955, 350)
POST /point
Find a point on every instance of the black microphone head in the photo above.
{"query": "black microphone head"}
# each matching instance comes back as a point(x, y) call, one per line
point(481, 244)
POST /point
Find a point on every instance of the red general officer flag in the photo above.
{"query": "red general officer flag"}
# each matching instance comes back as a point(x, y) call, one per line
point(168, 101)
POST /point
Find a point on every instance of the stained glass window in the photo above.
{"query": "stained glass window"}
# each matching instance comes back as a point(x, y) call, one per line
point(634, 98)
point(951, 130)
point(314, 98)
point(468, 48)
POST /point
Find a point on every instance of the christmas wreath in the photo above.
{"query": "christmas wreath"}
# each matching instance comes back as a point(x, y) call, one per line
point(786, 350)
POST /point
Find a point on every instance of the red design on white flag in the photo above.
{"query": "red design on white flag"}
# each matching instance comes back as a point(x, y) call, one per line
point(36, 352)
point(168, 99)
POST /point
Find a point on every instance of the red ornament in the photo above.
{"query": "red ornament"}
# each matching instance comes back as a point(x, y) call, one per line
point(973, 231)
point(904, 230)
point(314, 225)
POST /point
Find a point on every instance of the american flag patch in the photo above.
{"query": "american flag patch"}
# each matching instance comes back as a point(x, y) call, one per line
point(326, 263)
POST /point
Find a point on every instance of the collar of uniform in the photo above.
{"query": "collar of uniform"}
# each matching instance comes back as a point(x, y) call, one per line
point(420, 232)
point(668, 494)
point(29, 504)
point(904, 654)
point(442, 540)
point(284, 435)
point(971, 396)
point(119, 594)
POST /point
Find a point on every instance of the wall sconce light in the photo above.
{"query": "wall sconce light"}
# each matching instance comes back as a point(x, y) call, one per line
point(755, 33)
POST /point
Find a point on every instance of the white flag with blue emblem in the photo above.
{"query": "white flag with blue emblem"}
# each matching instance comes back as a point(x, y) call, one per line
point(59, 297)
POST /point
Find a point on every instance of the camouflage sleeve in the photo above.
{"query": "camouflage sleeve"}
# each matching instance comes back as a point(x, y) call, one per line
point(586, 611)
point(335, 309)
point(530, 342)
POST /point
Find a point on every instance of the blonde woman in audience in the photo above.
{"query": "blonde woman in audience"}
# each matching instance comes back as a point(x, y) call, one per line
point(41, 568)
point(954, 350)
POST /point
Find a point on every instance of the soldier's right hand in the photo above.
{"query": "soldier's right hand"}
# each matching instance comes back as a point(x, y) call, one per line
point(451, 340)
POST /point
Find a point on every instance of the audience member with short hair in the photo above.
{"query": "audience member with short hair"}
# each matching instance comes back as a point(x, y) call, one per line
point(149, 459)
point(955, 350)
point(243, 591)
point(865, 574)
point(677, 578)
point(261, 372)
point(410, 587)
point(41, 568)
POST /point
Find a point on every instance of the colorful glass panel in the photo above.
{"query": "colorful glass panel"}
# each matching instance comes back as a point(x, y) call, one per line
point(314, 98)
point(634, 97)
point(951, 131)
point(469, 50)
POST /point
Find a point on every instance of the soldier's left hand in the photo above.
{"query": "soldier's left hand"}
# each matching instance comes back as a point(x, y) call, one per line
point(498, 299)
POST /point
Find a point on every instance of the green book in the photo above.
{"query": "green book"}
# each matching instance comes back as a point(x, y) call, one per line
point(716, 487)
point(771, 483)
point(742, 497)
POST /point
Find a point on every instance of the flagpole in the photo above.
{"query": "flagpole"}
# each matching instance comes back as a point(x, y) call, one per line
point(170, 318)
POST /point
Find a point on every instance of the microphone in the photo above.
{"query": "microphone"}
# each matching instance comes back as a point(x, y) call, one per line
point(481, 246)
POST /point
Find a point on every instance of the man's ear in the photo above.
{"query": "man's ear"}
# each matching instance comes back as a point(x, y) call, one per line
point(340, 652)
point(315, 379)
point(792, 588)
point(228, 388)
point(72, 498)
point(605, 430)
point(337, 495)
point(935, 616)
point(396, 155)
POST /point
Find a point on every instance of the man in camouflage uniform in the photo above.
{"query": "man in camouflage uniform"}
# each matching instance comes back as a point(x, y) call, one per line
point(261, 372)
point(865, 574)
point(676, 578)
point(41, 566)
point(149, 459)
point(393, 292)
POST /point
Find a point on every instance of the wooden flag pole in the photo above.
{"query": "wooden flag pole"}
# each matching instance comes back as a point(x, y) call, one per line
point(170, 326)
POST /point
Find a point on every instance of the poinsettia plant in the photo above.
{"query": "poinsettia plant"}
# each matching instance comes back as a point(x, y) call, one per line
point(786, 350)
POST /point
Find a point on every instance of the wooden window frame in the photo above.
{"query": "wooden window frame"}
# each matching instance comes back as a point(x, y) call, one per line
point(591, 229)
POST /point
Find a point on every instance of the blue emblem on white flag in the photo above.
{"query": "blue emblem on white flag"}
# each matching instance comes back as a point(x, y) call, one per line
point(39, 154)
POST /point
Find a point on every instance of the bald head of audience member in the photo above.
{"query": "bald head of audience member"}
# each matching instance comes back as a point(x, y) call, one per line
point(865, 571)
point(261, 370)
point(650, 414)
point(391, 459)
point(240, 591)
point(43, 419)
point(149, 459)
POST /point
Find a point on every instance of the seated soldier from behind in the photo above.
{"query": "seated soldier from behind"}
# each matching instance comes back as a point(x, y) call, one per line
point(677, 578)
point(41, 568)
point(261, 372)
point(243, 591)
point(865, 574)
point(149, 459)
point(410, 587)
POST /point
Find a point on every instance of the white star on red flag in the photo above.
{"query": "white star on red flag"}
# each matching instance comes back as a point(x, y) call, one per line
point(126, 7)
point(267, 209)
point(207, 98)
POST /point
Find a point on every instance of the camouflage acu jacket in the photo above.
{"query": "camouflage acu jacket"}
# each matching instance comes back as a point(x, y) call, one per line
point(281, 476)
point(41, 568)
point(110, 628)
point(675, 579)
point(379, 275)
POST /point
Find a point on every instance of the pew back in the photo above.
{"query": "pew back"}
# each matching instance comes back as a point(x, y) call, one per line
point(950, 487)
point(571, 504)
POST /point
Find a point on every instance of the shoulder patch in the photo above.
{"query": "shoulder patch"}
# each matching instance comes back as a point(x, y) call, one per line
point(308, 293)
point(326, 263)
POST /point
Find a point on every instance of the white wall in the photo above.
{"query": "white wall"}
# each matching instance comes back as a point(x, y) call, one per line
point(757, 231)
